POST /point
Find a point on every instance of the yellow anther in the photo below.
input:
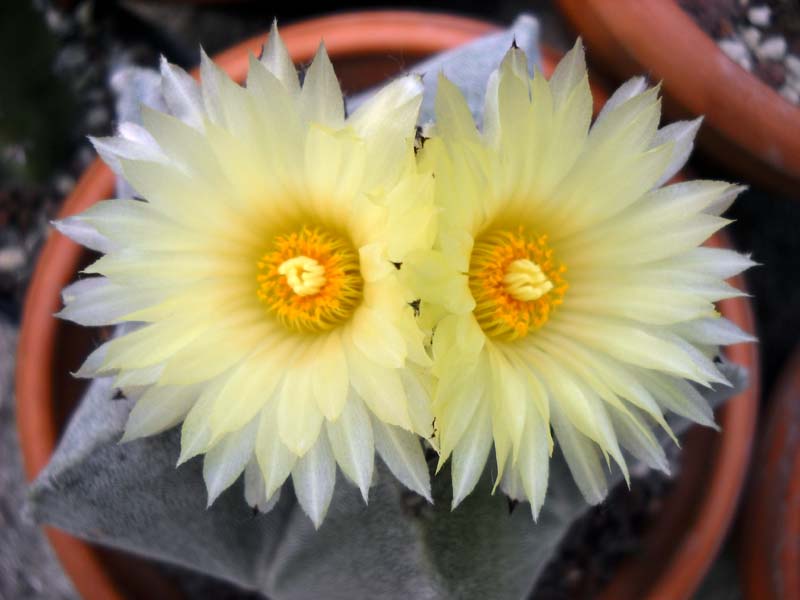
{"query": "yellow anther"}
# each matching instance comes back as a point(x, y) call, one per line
point(525, 281)
point(303, 274)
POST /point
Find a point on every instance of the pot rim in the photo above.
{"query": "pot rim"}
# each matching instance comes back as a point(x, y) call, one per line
point(346, 35)
point(769, 553)
point(660, 37)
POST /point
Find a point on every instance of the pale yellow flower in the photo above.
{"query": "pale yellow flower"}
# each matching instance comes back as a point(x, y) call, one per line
point(566, 288)
point(261, 263)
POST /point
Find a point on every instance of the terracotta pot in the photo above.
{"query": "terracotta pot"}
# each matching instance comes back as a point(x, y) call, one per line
point(364, 47)
point(769, 546)
point(749, 127)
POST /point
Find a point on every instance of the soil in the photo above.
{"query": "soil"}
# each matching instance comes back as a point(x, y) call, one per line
point(602, 539)
point(762, 36)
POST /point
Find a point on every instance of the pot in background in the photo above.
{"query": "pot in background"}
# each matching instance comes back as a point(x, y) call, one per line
point(749, 127)
point(769, 548)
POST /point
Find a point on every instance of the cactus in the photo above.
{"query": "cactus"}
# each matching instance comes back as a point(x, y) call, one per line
point(132, 497)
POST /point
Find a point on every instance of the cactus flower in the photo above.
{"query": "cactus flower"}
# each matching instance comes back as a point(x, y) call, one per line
point(259, 265)
point(567, 291)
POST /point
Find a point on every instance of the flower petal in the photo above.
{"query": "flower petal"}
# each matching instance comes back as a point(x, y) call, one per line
point(84, 234)
point(534, 460)
point(158, 409)
point(274, 458)
point(224, 463)
point(352, 443)
point(380, 388)
point(182, 94)
point(387, 123)
point(582, 457)
point(681, 134)
point(314, 477)
point(330, 378)
point(402, 453)
point(453, 117)
point(378, 338)
point(299, 419)
point(471, 453)
point(321, 97)
point(276, 58)
point(254, 489)
point(96, 301)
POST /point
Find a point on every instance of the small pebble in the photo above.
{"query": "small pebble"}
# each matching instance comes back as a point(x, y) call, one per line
point(14, 154)
point(56, 21)
point(735, 50)
point(71, 57)
point(64, 184)
point(773, 48)
point(746, 63)
point(790, 93)
point(97, 118)
point(759, 15)
point(573, 577)
point(751, 37)
point(793, 65)
point(12, 258)
point(773, 73)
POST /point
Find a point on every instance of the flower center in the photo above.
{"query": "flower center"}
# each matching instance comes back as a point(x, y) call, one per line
point(310, 279)
point(515, 282)
point(303, 274)
point(525, 281)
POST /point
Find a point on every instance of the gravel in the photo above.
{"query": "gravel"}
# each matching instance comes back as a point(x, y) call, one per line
point(761, 37)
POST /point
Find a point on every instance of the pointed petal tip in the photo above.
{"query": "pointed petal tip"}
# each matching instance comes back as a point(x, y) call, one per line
point(414, 82)
point(663, 466)
point(127, 437)
point(187, 452)
point(182, 458)
point(440, 463)
point(85, 373)
point(535, 510)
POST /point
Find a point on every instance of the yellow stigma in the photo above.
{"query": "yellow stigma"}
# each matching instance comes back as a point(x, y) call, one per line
point(515, 281)
point(525, 281)
point(310, 279)
point(303, 274)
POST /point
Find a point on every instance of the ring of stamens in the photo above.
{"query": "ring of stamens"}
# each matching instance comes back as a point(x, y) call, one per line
point(310, 279)
point(515, 281)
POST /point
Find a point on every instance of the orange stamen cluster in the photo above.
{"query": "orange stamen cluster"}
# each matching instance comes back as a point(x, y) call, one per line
point(339, 285)
point(498, 309)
